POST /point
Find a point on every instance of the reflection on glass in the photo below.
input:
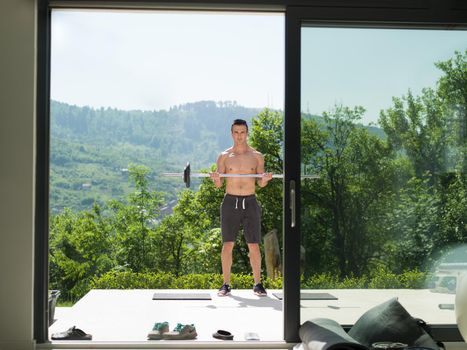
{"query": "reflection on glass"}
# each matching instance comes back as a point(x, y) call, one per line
point(383, 124)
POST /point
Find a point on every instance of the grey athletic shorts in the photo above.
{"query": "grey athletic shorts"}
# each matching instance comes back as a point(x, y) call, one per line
point(240, 210)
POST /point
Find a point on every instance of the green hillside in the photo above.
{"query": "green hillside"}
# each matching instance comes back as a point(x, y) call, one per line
point(91, 149)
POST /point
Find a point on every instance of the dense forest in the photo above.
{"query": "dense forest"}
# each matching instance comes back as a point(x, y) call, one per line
point(386, 203)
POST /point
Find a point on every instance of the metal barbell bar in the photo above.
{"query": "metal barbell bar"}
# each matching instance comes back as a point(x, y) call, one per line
point(187, 175)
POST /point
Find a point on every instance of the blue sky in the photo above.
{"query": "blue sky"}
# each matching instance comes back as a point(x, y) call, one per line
point(367, 67)
point(154, 60)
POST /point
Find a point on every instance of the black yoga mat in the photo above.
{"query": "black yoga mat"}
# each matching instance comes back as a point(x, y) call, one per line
point(309, 296)
point(181, 296)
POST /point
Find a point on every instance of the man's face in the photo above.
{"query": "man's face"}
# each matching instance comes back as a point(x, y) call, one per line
point(239, 133)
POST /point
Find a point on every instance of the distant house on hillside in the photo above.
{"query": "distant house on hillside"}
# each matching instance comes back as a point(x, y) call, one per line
point(168, 209)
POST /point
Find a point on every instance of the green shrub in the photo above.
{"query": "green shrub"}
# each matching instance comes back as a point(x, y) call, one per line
point(385, 280)
point(353, 283)
point(381, 279)
point(414, 279)
point(132, 280)
point(198, 281)
point(320, 281)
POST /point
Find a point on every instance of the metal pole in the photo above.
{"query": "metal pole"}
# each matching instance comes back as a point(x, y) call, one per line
point(276, 176)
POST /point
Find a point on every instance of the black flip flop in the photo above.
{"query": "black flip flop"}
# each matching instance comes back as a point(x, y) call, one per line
point(72, 333)
point(223, 335)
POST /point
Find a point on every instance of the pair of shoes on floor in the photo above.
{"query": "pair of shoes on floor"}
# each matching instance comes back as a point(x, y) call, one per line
point(258, 289)
point(72, 333)
point(180, 332)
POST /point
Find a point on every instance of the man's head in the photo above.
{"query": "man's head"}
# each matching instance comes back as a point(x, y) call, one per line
point(239, 122)
point(239, 130)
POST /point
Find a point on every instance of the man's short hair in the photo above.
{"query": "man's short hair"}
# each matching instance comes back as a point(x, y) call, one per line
point(239, 122)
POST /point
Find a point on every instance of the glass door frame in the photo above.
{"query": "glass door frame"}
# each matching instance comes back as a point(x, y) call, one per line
point(291, 189)
point(357, 14)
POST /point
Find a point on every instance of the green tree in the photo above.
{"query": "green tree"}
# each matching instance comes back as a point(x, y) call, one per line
point(81, 248)
point(340, 211)
point(418, 127)
point(413, 225)
point(208, 247)
point(452, 88)
point(266, 136)
point(428, 211)
point(453, 223)
point(180, 234)
point(134, 223)
point(431, 129)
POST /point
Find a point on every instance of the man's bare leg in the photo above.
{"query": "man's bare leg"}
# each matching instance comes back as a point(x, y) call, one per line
point(226, 259)
point(255, 261)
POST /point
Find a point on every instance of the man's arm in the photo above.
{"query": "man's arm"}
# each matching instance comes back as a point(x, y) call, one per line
point(220, 164)
point(262, 181)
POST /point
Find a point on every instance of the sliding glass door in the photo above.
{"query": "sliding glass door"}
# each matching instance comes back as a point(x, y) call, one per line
point(374, 163)
point(383, 127)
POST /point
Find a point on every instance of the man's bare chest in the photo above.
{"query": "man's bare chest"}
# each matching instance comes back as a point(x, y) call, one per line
point(241, 163)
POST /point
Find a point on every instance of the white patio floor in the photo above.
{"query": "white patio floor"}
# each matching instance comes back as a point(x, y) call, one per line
point(128, 315)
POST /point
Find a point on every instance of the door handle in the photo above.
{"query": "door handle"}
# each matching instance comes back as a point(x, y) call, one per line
point(292, 203)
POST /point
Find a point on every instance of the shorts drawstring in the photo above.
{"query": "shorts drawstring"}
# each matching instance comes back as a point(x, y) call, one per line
point(236, 203)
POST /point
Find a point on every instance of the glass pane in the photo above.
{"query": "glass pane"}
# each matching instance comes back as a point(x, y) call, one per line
point(383, 125)
point(136, 95)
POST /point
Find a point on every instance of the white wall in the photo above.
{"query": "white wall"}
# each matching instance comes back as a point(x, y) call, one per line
point(17, 87)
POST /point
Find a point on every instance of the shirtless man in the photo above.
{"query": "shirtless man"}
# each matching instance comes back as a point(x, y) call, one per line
point(239, 206)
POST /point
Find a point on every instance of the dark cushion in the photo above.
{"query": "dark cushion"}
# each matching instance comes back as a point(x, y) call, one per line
point(389, 321)
point(327, 334)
